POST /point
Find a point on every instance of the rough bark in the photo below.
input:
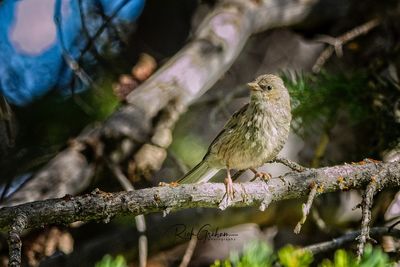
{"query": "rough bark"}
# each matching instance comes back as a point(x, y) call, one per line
point(101, 206)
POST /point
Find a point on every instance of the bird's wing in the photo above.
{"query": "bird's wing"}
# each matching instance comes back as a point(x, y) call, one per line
point(232, 122)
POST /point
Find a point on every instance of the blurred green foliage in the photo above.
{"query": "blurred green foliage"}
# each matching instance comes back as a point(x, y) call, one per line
point(109, 261)
point(258, 254)
point(289, 256)
point(364, 99)
point(316, 99)
point(373, 257)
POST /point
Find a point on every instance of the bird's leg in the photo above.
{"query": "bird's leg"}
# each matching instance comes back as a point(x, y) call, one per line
point(228, 197)
point(229, 184)
point(263, 175)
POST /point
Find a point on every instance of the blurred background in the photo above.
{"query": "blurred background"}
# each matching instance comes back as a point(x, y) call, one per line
point(67, 64)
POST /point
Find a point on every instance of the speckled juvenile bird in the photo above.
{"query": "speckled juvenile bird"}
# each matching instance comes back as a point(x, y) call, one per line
point(253, 135)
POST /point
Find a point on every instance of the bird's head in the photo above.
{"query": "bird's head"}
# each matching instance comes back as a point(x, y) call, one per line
point(269, 87)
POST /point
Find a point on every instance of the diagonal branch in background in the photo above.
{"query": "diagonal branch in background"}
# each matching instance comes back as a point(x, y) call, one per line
point(336, 44)
point(186, 76)
point(348, 238)
point(140, 221)
point(101, 206)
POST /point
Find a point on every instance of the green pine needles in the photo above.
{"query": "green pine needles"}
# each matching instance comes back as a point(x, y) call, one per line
point(366, 102)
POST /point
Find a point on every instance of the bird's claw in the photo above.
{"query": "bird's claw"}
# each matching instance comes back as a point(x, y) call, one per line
point(265, 176)
point(229, 194)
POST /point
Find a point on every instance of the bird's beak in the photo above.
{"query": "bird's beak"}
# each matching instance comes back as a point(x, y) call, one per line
point(253, 86)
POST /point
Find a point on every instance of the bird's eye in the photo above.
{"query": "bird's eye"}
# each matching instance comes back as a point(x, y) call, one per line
point(266, 87)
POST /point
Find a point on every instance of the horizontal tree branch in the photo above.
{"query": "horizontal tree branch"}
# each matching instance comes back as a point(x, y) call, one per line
point(102, 206)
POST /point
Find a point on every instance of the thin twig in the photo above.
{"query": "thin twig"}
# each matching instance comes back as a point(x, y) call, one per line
point(306, 207)
point(122, 179)
point(337, 43)
point(291, 164)
point(319, 221)
point(143, 242)
point(14, 240)
point(366, 206)
point(189, 252)
point(139, 220)
point(348, 238)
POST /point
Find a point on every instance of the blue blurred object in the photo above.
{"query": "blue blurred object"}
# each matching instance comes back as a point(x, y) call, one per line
point(45, 44)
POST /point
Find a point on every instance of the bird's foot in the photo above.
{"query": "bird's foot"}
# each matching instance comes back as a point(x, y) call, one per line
point(229, 188)
point(229, 194)
point(262, 175)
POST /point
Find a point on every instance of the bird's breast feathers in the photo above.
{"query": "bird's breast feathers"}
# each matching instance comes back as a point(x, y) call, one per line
point(255, 139)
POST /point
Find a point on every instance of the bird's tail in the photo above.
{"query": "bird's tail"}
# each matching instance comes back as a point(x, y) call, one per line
point(201, 173)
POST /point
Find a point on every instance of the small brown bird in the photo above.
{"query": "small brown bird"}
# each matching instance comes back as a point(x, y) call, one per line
point(253, 135)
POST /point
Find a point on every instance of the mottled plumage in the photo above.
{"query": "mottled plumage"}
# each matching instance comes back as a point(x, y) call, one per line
point(253, 135)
